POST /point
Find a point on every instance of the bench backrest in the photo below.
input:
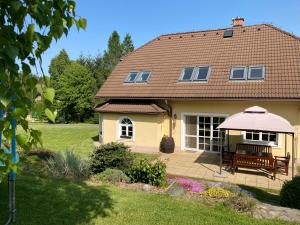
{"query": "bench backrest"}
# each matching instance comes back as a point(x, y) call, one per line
point(253, 148)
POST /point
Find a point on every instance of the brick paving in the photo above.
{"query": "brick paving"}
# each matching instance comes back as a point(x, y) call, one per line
point(205, 165)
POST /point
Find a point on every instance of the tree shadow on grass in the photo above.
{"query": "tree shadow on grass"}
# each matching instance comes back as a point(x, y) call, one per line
point(95, 138)
point(263, 195)
point(55, 201)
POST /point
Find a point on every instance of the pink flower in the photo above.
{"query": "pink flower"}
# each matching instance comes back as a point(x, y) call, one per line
point(190, 185)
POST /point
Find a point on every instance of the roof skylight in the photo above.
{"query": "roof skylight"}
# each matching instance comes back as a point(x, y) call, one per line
point(143, 76)
point(200, 73)
point(138, 77)
point(131, 77)
point(247, 73)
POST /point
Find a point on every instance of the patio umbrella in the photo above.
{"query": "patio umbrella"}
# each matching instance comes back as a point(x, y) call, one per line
point(258, 119)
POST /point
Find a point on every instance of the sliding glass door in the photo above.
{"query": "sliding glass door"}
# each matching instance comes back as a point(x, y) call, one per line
point(200, 132)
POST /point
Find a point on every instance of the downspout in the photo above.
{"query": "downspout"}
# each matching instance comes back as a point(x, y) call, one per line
point(170, 113)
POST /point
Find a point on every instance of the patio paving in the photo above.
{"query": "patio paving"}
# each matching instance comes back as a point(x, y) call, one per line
point(205, 165)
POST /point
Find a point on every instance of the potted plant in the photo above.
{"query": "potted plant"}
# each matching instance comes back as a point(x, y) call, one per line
point(167, 144)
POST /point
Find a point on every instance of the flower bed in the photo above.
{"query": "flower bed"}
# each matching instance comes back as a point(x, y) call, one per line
point(191, 185)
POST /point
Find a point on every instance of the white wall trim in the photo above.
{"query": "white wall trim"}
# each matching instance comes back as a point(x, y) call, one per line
point(278, 145)
point(182, 130)
point(118, 130)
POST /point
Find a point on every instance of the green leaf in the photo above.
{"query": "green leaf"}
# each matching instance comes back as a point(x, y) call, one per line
point(30, 32)
point(22, 140)
point(82, 23)
point(25, 68)
point(11, 51)
point(49, 94)
point(16, 5)
point(47, 81)
point(51, 116)
point(19, 112)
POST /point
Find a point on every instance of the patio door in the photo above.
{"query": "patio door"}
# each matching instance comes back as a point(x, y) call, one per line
point(200, 132)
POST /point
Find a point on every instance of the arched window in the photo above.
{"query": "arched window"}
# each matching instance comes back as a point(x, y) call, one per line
point(126, 128)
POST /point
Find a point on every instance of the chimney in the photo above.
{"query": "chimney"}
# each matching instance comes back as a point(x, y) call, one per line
point(237, 22)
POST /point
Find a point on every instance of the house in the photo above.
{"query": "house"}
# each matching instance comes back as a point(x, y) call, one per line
point(185, 84)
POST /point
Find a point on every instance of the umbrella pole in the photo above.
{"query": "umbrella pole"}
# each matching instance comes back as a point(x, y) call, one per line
point(293, 155)
point(220, 150)
point(228, 149)
point(285, 149)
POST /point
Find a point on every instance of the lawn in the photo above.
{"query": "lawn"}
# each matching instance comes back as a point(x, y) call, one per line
point(54, 201)
point(44, 200)
point(76, 137)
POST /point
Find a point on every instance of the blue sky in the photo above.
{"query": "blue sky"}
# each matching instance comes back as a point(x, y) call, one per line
point(145, 20)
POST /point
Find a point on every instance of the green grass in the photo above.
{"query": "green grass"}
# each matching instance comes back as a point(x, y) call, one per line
point(140, 156)
point(76, 137)
point(57, 201)
point(263, 194)
point(42, 199)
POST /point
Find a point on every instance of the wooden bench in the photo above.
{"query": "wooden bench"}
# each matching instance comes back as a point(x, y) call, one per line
point(254, 157)
point(253, 148)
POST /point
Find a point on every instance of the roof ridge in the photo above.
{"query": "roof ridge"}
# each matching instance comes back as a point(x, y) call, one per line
point(208, 30)
point(283, 31)
point(176, 33)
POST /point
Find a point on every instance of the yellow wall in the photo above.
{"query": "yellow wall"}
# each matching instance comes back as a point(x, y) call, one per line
point(288, 110)
point(149, 129)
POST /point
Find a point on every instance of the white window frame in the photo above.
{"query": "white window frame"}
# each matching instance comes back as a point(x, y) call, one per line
point(238, 68)
point(211, 129)
point(260, 141)
point(182, 74)
point(127, 78)
point(254, 67)
point(119, 129)
point(194, 73)
point(138, 79)
point(197, 71)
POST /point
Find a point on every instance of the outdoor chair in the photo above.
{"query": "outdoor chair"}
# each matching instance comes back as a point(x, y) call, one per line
point(282, 163)
point(227, 158)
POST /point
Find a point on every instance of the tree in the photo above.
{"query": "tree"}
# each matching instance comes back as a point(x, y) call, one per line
point(57, 67)
point(77, 89)
point(27, 29)
point(127, 45)
point(114, 53)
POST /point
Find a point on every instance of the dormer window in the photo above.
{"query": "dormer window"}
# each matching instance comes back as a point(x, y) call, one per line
point(143, 76)
point(256, 73)
point(200, 73)
point(131, 77)
point(238, 73)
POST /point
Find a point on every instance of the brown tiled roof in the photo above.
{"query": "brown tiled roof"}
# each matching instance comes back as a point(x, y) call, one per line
point(166, 55)
point(130, 107)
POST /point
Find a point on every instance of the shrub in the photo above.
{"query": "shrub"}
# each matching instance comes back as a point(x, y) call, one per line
point(290, 193)
point(216, 192)
point(241, 203)
point(112, 176)
point(145, 172)
point(67, 164)
point(190, 185)
point(111, 155)
point(41, 153)
point(167, 144)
